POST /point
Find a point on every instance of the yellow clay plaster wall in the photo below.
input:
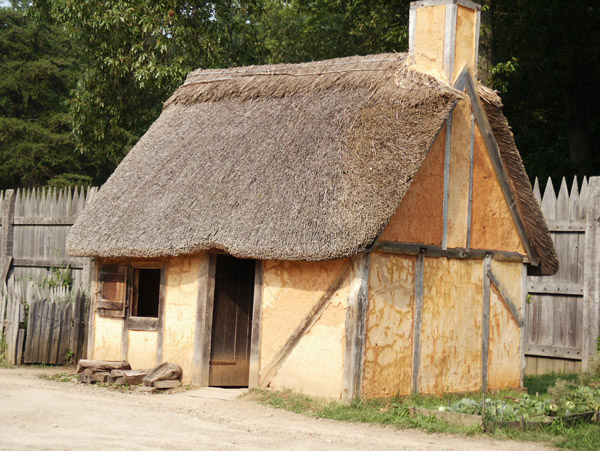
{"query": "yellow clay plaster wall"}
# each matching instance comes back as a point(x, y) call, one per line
point(492, 224)
point(107, 338)
point(451, 328)
point(389, 332)
point(420, 216)
point(180, 311)
point(141, 352)
point(504, 360)
point(460, 166)
point(429, 41)
point(290, 290)
point(466, 35)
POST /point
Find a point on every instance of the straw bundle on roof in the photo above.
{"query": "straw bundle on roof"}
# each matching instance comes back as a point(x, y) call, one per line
point(296, 162)
point(293, 162)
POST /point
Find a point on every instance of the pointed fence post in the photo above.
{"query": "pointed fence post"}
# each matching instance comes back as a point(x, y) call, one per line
point(591, 287)
point(6, 233)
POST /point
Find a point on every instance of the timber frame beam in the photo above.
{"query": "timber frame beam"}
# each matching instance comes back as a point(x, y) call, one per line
point(465, 81)
point(356, 325)
point(204, 314)
point(437, 251)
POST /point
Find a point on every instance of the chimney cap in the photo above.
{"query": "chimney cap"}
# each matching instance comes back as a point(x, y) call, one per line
point(426, 3)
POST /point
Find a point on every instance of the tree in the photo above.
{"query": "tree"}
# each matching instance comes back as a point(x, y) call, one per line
point(136, 53)
point(308, 30)
point(546, 58)
point(37, 70)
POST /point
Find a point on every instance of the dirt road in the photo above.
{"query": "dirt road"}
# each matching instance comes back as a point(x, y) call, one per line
point(42, 414)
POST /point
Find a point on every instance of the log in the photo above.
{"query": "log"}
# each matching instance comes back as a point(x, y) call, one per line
point(99, 377)
point(117, 373)
point(131, 377)
point(164, 371)
point(84, 378)
point(102, 365)
point(165, 385)
point(149, 390)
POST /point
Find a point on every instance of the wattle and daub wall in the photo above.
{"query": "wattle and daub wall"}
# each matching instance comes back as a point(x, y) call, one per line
point(113, 341)
point(443, 350)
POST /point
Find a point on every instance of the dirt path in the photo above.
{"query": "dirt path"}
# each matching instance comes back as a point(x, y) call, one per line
point(42, 414)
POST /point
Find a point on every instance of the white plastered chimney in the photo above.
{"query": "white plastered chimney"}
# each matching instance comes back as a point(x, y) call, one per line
point(444, 37)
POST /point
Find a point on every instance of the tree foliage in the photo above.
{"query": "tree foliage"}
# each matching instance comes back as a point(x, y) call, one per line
point(137, 52)
point(92, 76)
point(545, 63)
point(37, 70)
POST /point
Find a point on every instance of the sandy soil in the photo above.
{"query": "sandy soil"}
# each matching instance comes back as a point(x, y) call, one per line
point(42, 414)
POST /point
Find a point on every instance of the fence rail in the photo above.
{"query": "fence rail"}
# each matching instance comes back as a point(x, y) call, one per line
point(34, 224)
point(560, 307)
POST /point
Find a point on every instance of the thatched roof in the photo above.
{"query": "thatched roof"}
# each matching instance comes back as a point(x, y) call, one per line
point(296, 162)
point(293, 162)
point(528, 207)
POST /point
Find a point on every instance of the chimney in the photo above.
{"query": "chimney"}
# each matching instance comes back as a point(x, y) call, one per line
point(443, 37)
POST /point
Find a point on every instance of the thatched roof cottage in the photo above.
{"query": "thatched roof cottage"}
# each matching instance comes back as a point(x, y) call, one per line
point(352, 227)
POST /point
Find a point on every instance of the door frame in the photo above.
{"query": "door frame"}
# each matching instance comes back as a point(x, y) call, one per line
point(204, 321)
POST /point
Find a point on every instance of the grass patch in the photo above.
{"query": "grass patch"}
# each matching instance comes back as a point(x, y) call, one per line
point(540, 384)
point(62, 377)
point(537, 404)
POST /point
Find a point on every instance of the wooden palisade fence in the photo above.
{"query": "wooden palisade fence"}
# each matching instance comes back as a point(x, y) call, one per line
point(34, 225)
point(39, 324)
point(42, 324)
point(563, 311)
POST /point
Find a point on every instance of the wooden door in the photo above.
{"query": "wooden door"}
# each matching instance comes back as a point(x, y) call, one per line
point(232, 322)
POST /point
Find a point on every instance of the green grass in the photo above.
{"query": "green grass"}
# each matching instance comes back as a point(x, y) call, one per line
point(62, 377)
point(540, 384)
point(397, 412)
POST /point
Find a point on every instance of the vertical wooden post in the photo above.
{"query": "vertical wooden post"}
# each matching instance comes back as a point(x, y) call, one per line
point(485, 326)
point(418, 318)
point(204, 319)
point(162, 301)
point(446, 198)
point(254, 371)
point(471, 169)
point(7, 233)
point(355, 329)
point(91, 326)
point(591, 283)
point(523, 330)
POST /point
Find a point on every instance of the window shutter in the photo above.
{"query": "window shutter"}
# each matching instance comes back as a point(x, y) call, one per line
point(112, 298)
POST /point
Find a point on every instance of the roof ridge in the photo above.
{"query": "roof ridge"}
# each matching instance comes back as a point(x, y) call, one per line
point(343, 61)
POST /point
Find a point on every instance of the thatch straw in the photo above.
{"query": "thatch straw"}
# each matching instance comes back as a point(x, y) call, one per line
point(292, 162)
point(382, 75)
point(308, 162)
point(529, 209)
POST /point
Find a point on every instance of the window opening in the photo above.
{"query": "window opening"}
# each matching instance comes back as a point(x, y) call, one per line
point(146, 292)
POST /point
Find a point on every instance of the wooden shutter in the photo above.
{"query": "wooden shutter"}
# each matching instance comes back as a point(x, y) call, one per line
point(112, 298)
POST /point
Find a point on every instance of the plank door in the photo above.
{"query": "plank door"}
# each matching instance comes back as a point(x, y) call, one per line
point(232, 322)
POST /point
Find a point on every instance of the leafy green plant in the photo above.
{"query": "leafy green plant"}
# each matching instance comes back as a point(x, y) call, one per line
point(3, 348)
point(69, 357)
point(59, 277)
